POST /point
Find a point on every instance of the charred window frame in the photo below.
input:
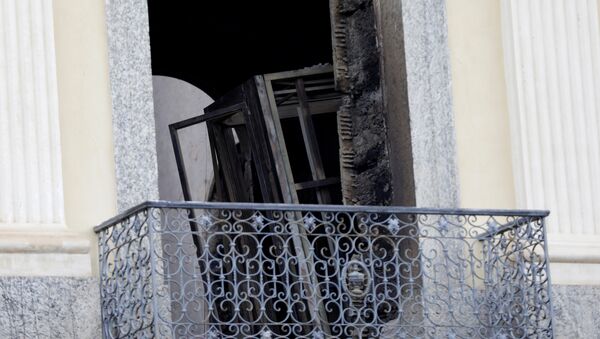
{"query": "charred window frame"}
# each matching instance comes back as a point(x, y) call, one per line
point(257, 157)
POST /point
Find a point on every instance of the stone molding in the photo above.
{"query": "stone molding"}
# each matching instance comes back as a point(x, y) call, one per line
point(44, 242)
point(39, 253)
point(574, 249)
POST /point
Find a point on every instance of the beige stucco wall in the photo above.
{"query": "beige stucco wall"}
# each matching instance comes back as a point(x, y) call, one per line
point(480, 104)
point(85, 112)
point(482, 120)
point(85, 115)
point(87, 153)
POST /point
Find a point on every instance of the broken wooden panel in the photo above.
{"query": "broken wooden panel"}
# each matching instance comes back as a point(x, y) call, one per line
point(274, 139)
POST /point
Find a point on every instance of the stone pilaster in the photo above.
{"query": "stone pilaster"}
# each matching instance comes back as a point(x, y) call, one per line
point(133, 109)
point(30, 156)
point(552, 58)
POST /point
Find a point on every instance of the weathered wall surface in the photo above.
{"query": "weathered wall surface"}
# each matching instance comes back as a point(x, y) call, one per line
point(133, 110)
point(430, 102)
point(576, 311)
point(365, 166)
point(176, 100)
point(418, 101)
point(395, 99)
point(49, 308)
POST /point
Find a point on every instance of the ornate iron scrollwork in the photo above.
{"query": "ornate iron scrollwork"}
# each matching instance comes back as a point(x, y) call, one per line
point(356, 278)
point(283, 271)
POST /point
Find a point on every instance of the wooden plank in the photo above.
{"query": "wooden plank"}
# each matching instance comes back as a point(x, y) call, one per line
point(242, 134)
point(308, 82)
point(314, 157)
point(227, 155)
point(215, 115)
point(317, 183)
point(268, 178)
point(281, 100)
point(310, 89)
point(320, 69)
point(291, 111)
point(276, 140)
point(236, 165)
point(273, 122)
point(180, 162)
point(319, 107)
point(261, 150)
point(185, 188)
point(289, 195)
point(310, 142)
point(219, 182)
point(292, 98)
point(237, 189)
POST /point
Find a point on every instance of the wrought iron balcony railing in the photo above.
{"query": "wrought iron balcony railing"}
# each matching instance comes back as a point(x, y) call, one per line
point(223, 270)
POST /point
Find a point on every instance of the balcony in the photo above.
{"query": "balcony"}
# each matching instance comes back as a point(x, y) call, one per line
point(232, 270)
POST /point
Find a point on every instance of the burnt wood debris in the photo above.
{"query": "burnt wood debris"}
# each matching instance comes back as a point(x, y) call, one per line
point(273, 139)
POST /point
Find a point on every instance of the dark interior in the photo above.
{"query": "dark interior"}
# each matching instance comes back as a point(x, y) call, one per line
point(216, 45)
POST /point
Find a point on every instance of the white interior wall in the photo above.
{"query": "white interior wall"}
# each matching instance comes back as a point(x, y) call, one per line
point(176, 100)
